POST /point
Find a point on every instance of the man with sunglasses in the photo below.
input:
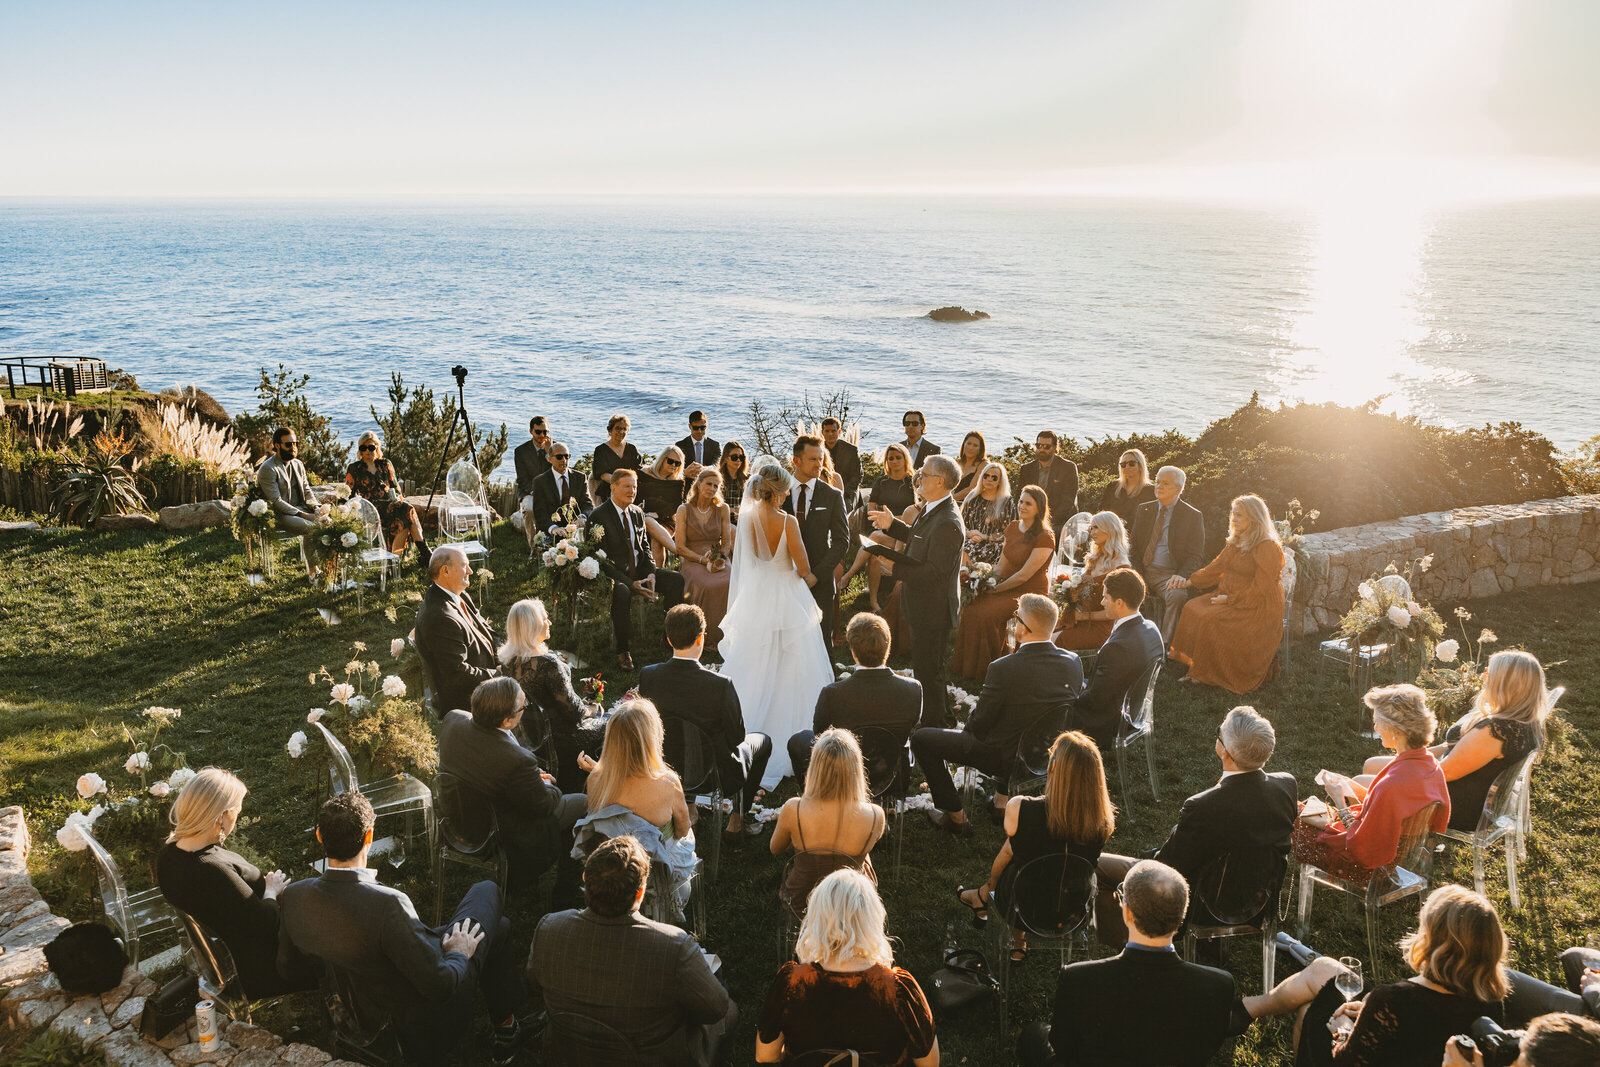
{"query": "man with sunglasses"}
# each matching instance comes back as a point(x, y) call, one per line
point(284, 485)
point(919, 447)
point(698, 449)
point(1056, 476)
point(532, 456)
point(555, 489)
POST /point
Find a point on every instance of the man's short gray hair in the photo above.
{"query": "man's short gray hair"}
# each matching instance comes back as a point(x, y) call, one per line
point(1176, 472)
point(1158, 897)
point(944, 468)
point(442, 557)
point(1248, 737)
point(557, 446)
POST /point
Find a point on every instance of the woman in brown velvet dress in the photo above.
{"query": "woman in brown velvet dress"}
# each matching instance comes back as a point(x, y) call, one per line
point(704, 532)
point(1024, 568)
point(1228, 638)
point(1086, 624)
point(372, 477)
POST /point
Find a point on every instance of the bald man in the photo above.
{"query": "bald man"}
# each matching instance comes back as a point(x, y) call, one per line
point(456, 642)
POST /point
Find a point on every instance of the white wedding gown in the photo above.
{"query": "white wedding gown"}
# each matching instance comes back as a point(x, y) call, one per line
point(772, 645)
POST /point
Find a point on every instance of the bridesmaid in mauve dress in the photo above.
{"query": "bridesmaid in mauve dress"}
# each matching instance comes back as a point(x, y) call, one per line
point(704, 522)
point(1024, 568)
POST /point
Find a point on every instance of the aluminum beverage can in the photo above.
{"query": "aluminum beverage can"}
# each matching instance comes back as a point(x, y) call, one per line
point(205, 1015)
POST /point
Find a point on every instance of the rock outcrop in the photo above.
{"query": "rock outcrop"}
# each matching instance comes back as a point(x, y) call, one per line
point(956, 314)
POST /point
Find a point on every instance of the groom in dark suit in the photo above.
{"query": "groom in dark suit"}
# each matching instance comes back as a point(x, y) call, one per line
point(628, 563)
point(930, 598)
point(825, 531)
point(455, 642)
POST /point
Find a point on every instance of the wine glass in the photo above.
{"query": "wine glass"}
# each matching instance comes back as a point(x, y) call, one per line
point(1348, 981)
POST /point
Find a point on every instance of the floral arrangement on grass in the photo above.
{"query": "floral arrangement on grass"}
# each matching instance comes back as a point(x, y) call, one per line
point(1455, 676)
point(252, 518)
point(1386, 613)
point(340, 531)
point(569, 551)
point(386, 733)
point(1292, 528)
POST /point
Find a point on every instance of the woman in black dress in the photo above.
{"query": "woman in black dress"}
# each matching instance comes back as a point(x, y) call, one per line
point(219, 888)
point(1131, 488)
point(662, 492)
point(1075, 815)
point(895, 492)
point(372, 477)
point(612, 454)
point(988, 511)
point(556, 708)
point(971, 459)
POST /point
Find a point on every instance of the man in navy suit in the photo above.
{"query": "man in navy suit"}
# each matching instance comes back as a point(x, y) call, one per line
point(628, 562)
point(1036, 680)
point(1132, 649)
point(553, 490)
point(846, 459)
point(456, 642)
point(824, 530)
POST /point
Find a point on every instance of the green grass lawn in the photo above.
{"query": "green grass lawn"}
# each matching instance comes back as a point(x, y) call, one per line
point(96, 627)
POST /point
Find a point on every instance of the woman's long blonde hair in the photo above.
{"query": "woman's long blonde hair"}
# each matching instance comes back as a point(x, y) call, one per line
point(1131, 486)
point(525, 622)
point(1513, 688)
point(843, 923)
point(905, 454)
point(706, 474)
point(632, 749)
point(203, 801)
point(1258, 524)
point(1080, 809)
point(1460, 944)
point(658, 468)
point(837, 772)
point(1115, 553)
point(1002, 493)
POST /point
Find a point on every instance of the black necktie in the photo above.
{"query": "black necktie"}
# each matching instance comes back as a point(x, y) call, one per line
point(800, 512)
point(561, 487)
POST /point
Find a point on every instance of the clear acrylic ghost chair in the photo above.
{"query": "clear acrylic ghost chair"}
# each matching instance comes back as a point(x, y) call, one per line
point(372, 554)
point(142, 915)
point(1501, 820)
point(401, 794)
point(464, 509)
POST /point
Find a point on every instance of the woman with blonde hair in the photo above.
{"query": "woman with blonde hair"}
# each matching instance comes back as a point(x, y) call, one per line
point(1075, 815)
point(1087, 624)
point(1131, 488)
point(895, 492)
point(844, 824)
point(989, 509)
point(662, 491)
point(221, 889)
point(1229, 638)
point(372, 477)
point(704, 541)
point(845, 992)
point(547, 683)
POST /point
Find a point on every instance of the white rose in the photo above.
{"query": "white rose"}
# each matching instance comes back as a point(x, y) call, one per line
point(180, 777)
point(549, 557)
point(297, 744)
point(358, 704)
point(563, 544)
point(589, 568)
point(599, 553)
point(571, 553)
point(139, 761)
point(341, 693)
point(1400, 617)
point(561, 559)
point(69, 836)
point(90, 784)
point(1413, 607)
point(160, 789)
point(315, 714)
point(349, 539)
point(397, 647)
point(1446, 651)
point(257, 508)
point(1366, 590)
point(394, 686)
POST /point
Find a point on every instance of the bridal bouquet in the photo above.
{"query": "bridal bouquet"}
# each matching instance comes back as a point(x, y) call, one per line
point(717, 558)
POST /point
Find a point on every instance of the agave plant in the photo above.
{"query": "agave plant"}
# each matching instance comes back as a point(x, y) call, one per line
point(98, 484)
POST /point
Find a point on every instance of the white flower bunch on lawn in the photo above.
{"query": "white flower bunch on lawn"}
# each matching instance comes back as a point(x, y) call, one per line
point(297, 744)
point(258, 507)
point(180, 777)
point(138, 762)
point(155, 714)
point(1447, 651)
point(394, 686)
point(90, 784)
point(342, 693)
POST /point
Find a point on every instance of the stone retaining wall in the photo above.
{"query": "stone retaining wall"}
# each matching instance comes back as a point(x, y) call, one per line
point(1477, 552)
point(108, 1023)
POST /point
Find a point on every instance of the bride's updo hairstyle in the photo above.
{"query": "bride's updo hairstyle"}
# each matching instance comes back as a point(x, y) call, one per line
point(769, 481)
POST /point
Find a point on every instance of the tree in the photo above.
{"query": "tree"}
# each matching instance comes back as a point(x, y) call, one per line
point(414, 431)
point(283, 403)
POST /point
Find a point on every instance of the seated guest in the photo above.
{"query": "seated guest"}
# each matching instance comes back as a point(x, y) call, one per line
point(628, 561)
point(372, 477)
point(535, 818)
point(221, 889)
point(844, 823)
point(1057, 476)
point(1036, 680)
point(872, 696)
point(1103, 1008)
point(988, 513)
point(699, 451)
point(632, 791)
point(918, 448)
point(547, 684)
point(1247, 816)
point(681, 689)
point(646, 980)
point(532, 457)
point(1130, 489)
point(615, 453)
point(284, 485)
point(735, 472)
point(1087, 623)
point(705, 544)
point(662, 490)
point(556, 487)
point(1024, 568)
point(971, 459)
point(1410, 782)
point(1505, 724)
point(1132, 649)
point(1168, 545)
point(895, 492)
point(846, 460)
point(845, 992)
point(455, 642)
point(1229, 638)
point(418, 979)
point(1074, 816)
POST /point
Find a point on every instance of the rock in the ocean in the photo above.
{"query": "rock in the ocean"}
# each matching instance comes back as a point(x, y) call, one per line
point(956, 314)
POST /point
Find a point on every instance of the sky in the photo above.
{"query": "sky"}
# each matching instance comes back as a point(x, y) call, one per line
point(435, 99)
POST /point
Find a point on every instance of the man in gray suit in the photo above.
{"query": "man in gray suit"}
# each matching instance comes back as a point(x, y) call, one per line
point(647, 980)
point(283, 484)
point(396, 968)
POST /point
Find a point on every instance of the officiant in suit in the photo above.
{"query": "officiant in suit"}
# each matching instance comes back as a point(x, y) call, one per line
point(698, 449)
point(846, 460)
point(628, 562)
point(824, 529)
point(557, 487)
point(930, 599)
point(456, 643)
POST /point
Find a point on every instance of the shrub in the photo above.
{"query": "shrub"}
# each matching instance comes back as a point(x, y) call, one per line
point(283, 403)
point(414, 432)
point(198, 400)
point(54, 1048)
point(186, 436)
point(1582, 466)
point(393, 737)
point(98, 484)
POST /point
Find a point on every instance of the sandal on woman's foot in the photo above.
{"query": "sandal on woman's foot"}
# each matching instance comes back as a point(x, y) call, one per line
point(980, 914)
point(1018, 952)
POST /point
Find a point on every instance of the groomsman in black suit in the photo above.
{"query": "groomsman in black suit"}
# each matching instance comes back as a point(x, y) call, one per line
point(557, 487)
point(1056, 476)
point(846, 459)
point(531, 456)
point(819, 507)
point(1169, 541)
point(873, 696)
point(628, 562)
point(698, 449)
point(1134, 647)
point(919, 447)
point(456, 642)
point(930, 597)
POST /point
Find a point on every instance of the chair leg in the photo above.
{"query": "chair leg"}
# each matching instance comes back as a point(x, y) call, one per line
point(438, 890)
point(899, 834)
point(1374, 917)
point(1511, 872)
point(1150, 761)
point(1307, 886)
point(1122, 776)
point(1269, 953)
point(1189, 941)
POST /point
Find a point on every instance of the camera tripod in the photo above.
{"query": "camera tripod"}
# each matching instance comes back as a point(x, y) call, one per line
point(449, 438)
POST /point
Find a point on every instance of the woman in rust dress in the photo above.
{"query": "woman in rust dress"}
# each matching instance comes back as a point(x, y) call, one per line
point(705, 544)
point(371, 476)
point(1024, 568)
point(1086, 624)
point(1229, 637)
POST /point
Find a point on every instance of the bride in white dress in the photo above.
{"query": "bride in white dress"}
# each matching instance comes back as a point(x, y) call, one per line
point(772, 646)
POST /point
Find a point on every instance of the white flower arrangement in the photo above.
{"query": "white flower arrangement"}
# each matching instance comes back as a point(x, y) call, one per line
point(315, 713)
point(258, 507)
point(394, 686)
point(297, 744)
point(1446, 651)
point(160, 789)
point(397, 647)
point(90, 784)
point(180, 777)
point(137, 763)
point(342, 693)
point(156, 714)
point(358, 704)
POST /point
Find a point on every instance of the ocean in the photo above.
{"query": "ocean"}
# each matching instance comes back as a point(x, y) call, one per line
point(1108, 317)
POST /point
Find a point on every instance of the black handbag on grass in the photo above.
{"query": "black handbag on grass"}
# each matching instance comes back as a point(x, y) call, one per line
point(172, 1004)
point(964, 980)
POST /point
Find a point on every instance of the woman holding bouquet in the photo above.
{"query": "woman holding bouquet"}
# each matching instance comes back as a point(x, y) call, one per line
point(1023, 568)
point(1084, 622)
point(704, 536)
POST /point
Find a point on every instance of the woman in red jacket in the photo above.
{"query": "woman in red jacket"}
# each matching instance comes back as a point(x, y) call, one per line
point(1410, 782)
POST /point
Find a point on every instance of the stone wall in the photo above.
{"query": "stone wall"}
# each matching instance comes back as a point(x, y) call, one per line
point(108, 1024)
point(1477, 552)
